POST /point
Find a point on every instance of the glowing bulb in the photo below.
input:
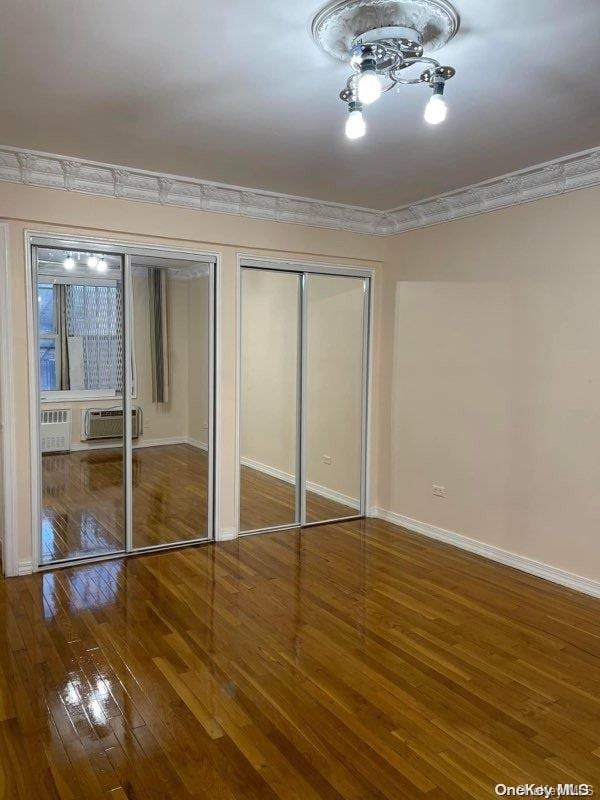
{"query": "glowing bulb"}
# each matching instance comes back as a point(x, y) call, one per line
point(102, 266)
point(369, 87)
point(435, 110)
point(69, 262)
point(355, 125)
point(92, 261)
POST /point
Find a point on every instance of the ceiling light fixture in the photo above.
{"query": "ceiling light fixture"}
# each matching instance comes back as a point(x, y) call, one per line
point(381, 39)
point(69, 262)
point(102, 266)
point(92, 261)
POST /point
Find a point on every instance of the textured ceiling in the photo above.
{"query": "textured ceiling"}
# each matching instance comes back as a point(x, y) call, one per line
point(237, 92)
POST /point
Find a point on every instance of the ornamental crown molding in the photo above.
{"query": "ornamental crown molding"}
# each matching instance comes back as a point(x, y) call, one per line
point(576, 171)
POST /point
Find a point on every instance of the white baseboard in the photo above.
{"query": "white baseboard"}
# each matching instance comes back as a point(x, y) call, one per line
point(322, 491)
point(226, 535)
point(196, 443)
point(25, 567)
point(100, 445)
point(523, 563)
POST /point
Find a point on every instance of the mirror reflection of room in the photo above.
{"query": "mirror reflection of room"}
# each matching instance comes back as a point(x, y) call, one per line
point(333, 332)
point(81, 378)
point(334, 396)
point(171, 350)
point(268, 413)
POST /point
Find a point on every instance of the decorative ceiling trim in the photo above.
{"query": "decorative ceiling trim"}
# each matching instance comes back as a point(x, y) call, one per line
point(59, 172)
point(576, 171)
point(32, 168)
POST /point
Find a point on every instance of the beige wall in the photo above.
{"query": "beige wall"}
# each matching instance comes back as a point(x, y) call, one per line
point(162, 420)
point(491, 336)
point(269, 311)
point(40, 209)
point(334, 384)
point(197, 292)
point(485, 348)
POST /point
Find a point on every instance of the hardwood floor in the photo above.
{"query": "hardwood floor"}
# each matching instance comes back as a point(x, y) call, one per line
point(82, 500)
point(352, 661)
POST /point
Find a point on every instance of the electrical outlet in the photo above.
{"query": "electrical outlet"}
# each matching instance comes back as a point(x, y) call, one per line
point(327, 459)
point(438, 491)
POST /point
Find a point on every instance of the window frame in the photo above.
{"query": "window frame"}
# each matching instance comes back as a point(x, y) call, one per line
point(53, 337)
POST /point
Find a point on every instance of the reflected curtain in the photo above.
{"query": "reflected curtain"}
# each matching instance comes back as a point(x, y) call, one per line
point(157, 294)
point(63, 343)
point(95, 336)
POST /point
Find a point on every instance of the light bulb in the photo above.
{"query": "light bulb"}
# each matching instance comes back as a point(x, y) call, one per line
point(69, 262)
point(355, 125)
point(102, 266)
point(435, 110)
point(369, 87)
point(92, 261)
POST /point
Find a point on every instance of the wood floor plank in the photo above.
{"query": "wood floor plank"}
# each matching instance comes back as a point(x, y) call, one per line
point(353, 661)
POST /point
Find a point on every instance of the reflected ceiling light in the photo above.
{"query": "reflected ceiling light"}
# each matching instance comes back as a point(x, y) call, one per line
point(92, 261)
point(102, 266)
point(69, 262)
point(382, 38)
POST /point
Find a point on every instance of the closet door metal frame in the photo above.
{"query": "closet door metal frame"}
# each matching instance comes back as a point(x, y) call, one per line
point(304, 269)
point(125, 250)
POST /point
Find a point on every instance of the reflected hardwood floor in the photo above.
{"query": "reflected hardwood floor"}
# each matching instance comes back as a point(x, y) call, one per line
point(355, 661)
point(82, 505)
point(266, 501)
point(82, 499)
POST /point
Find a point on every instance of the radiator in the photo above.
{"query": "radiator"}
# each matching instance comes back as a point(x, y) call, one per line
point(55, 430)
point(107, 423)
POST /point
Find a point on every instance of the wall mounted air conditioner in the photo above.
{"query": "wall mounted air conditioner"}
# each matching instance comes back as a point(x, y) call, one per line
point(107, 423)
point(55, 430)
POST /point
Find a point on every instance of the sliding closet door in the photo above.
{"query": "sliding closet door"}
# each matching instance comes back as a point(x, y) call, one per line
point(170, 467)
point(269, 417)
point(334, 395)
point(78, 316)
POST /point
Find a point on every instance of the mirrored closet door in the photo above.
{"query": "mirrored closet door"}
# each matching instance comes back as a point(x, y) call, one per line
point(124, 376)
point(171, 342)
point(80, 347)
point(269, 420)
point(303, 395)
point(333, 400)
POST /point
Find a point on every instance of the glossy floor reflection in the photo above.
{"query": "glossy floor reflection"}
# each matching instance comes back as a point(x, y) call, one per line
point(346, 661)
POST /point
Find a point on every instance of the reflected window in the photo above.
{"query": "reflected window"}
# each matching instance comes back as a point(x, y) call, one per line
point(81, 345)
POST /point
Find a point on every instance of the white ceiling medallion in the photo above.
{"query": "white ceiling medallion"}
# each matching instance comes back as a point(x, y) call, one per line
point(381, 39)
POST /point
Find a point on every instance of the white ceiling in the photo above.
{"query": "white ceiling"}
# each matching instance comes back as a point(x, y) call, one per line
point(236, 91)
